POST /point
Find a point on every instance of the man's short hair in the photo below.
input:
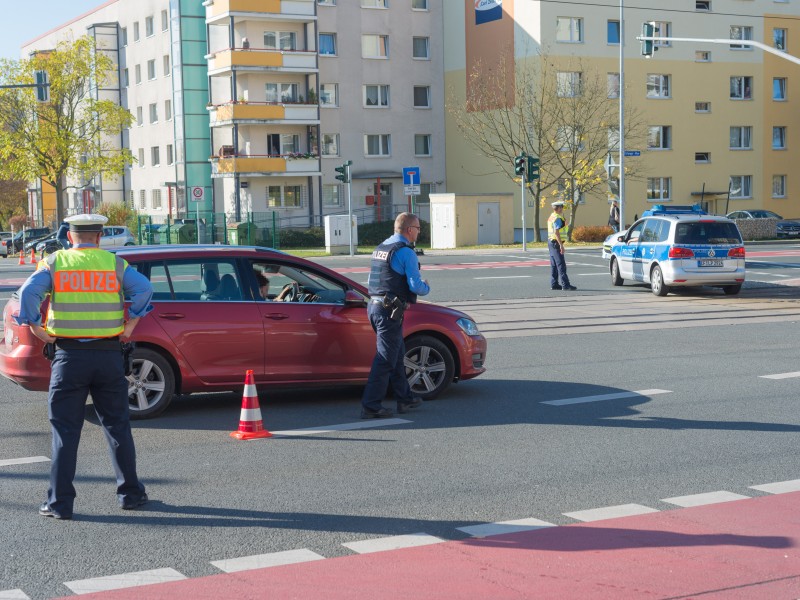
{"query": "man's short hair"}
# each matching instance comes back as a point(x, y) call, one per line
point(404, 220)
point(262, 280)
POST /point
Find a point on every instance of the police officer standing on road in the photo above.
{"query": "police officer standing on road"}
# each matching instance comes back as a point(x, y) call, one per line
point(394, 282)
point(85, 321)
point(558, 266)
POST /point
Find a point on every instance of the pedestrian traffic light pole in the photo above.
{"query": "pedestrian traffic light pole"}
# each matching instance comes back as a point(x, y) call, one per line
point(343, 175)
point(519, 169)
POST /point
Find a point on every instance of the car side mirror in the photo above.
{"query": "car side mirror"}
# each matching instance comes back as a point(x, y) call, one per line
point(353, 299)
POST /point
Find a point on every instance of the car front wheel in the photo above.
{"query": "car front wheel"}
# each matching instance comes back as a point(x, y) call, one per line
point(615, 276)
point(429, 366)
point(151, 385)
point(657, 285)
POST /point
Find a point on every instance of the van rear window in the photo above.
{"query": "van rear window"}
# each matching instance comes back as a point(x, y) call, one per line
point(707, 233)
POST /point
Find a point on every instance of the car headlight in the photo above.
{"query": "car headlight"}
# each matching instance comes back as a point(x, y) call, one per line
point(468, 326)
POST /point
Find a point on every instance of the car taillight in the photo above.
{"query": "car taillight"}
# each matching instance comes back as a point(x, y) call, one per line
point(736, 252)
point(677, 252)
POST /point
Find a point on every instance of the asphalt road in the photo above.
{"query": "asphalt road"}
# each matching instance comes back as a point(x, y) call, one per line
point(550, 428)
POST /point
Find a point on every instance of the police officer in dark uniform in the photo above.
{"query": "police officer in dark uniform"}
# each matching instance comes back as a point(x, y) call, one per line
point(85, 322)
point(394, 283)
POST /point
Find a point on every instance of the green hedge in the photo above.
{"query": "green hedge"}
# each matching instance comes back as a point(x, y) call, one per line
point(372, 234)
point(369, 234)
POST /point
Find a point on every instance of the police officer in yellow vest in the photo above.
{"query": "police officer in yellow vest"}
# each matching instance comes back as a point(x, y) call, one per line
point(558, 266)
point(86, 321)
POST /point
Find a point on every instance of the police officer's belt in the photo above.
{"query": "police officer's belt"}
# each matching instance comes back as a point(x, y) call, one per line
point(98, 344)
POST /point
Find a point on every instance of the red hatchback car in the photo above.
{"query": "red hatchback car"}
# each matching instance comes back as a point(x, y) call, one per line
point(211, 322)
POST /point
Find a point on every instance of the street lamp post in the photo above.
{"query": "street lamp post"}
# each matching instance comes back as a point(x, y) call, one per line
point(621, 114)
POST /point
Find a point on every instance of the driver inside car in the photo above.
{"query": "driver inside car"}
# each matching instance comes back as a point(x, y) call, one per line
point(263, 289)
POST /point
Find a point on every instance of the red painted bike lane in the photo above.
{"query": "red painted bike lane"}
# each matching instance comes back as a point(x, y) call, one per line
point(741, 549)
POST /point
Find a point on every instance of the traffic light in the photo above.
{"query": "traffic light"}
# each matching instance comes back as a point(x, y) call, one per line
point(533, 168)
point(344, 172)
point(519, 164)
point(42, 87)
point(649, 30)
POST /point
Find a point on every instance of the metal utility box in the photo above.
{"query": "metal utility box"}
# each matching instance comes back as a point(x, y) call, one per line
point(337, 238)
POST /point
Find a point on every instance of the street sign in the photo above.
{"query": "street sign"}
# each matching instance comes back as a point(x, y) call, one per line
point(411, 190)
point(411, 176)
point(633, 153)
point(198, 192)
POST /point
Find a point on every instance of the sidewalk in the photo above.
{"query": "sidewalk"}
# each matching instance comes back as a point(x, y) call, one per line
point(740, 549)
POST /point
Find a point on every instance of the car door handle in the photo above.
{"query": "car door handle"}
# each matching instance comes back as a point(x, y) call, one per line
point(171, 316)
point(276, 316)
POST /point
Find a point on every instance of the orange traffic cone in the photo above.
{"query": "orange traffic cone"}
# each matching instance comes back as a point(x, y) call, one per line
point(250, 424)
point(21, 257)
point(33, 256)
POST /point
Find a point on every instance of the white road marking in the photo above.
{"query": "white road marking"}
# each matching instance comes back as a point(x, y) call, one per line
point(13, 595)
point(507, 277)
point(610, 512)
point(603, 397)
point(260, 561)
point(23, 461)
point(125, 580)
point(343, 427)
point(703, 499)
point(781, 375)
point(780, 487)
point(501, 527)
point(393, 543)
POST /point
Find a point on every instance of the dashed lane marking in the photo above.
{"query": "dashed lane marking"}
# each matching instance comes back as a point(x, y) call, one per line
point(501, 527)
point(780, 487)
point(603, 397)
point(125, 580)
point(23, 461)
point(342, 427)
point(703, 499)
point(260, 561)
point(781, 375)
point(610, 512)
point(393, 543)
point(13, 595)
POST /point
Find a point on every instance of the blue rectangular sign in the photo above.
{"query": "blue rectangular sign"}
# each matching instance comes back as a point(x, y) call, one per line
point(488, 10)
point(411, 176)
point(632, 153)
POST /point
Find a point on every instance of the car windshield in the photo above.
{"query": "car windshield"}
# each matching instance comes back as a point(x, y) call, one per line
point(764, 214)
point(707, 232)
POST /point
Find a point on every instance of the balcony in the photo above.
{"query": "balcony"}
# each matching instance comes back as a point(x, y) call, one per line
point(292, 61)
point(272, 112)
point(297, 164)
point(216, 9)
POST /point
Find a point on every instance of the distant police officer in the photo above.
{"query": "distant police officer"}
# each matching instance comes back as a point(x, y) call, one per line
point(558, 266)
point(84, 324)
point(394, 282)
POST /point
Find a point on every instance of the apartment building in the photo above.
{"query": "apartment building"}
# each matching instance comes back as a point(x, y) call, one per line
point(251, 104)
point(721, 119)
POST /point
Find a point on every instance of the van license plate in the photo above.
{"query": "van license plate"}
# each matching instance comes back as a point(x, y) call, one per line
point(711, 263)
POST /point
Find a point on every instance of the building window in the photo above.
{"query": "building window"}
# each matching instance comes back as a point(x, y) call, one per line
point(741, 32)
point(286, 196)
point(702, 56)
point(612, 34)
point(419, 4)
point(374, 3)
point(779, 138)
point(376, 96)
point(331, 195)
point(326, 2)
point(166, 66)
point(702, 107)
point(290, 143)
point(613, 85)
point(330, 144)
point(741, 186)
point(422, 144)
point(422, 96)
point(141, 157)
point(168, 110)
point(779, 39)
point(663, 29)
point(659, 137)
point(148, 26)
point(151, 69)
point(170, 155)
point(280, 40)
point(613, 138)
point(142, 199)
point(702, 5)
point(779, 88)
point(658, 189)
point(779, 186)
point(164, 20)
point(421, 48)
point(154, 113)
point(136, 37)
point(658, 86)
point(378, 144)
point(139, 116)
point(702, 157)
point(124, 36)
point(568, 139)
point(741, 138)
point(374, 46)
point(281, 92)
point(327, 44)
point(569, 29)
point(568, 84)
point(155, 198)
point(137, 71)
point(741, 88)
point(155, 156)
point(125, 78)
point(329, 94)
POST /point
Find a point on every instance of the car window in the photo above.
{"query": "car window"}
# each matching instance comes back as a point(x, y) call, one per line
point(651, 229)
point(287, 283)
point(635, 232)
point(707, 232)
point(207, 281)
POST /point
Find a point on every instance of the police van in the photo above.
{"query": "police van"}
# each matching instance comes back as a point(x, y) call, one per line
point(679, 246)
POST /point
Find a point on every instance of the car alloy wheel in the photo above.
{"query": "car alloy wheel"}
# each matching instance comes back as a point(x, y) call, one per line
point(429, 366)
point(657, 282)
point(151, 385)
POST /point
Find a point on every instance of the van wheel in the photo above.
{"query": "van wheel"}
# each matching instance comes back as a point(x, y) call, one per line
point(615, 277)
point(657, 285)
point(732, 290)
point(429, 366)
point(151, 385)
